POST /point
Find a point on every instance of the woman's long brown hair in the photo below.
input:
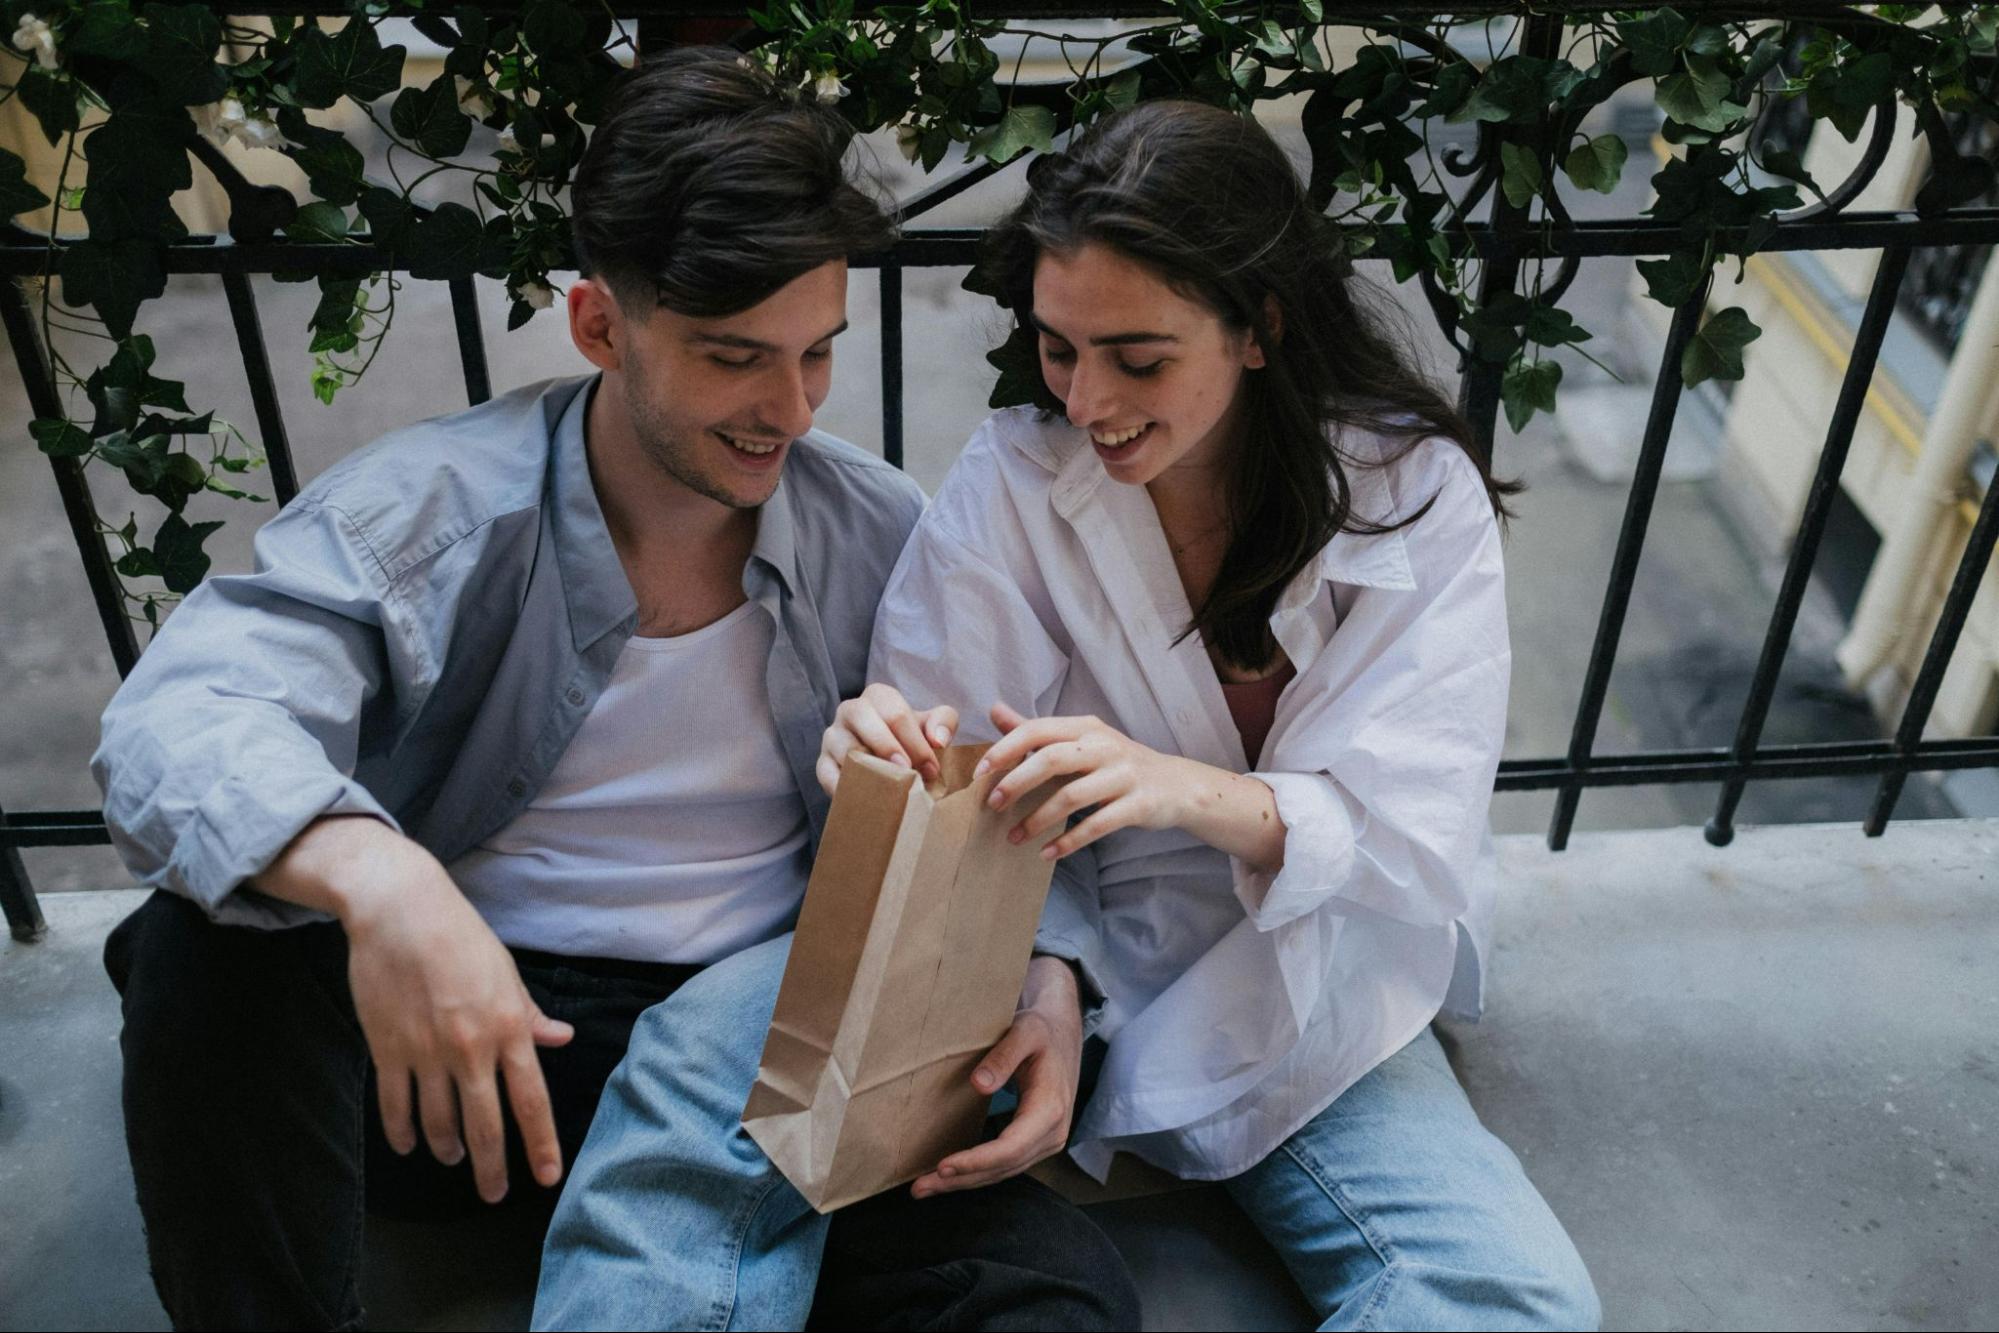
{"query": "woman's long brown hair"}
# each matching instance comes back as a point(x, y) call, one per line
point(1206, 200)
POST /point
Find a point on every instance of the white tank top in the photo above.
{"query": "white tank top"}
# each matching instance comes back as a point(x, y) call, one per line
point(671, 829)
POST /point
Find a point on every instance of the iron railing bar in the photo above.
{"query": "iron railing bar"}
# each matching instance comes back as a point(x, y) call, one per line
point(263, 389)
point(891, 355)
point(1690, 766)
point(471, 340)
point(1936, 660)
point(944, 191)
point(1624, 566)
point(38, 375)
point(1881, 302)
point(17, 896)
point(934, 247)
point(54, 828)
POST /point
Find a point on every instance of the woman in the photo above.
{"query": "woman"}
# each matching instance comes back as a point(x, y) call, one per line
point(1243, 569)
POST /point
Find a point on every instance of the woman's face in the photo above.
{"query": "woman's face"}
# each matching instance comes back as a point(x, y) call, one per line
point(1154, 378)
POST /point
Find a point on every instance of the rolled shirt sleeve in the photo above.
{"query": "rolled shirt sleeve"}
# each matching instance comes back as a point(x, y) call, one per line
point(241, 722)
point(1383, 768)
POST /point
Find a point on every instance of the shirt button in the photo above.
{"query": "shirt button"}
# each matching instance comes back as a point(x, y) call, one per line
point(575, 696)
point(517, 788)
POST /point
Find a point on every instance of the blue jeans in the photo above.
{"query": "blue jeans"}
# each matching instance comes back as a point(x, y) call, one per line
point(673, 1217)
point(1395, 1208)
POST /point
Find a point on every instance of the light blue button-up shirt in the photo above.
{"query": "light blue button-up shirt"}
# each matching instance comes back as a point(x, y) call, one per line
point(426, 627)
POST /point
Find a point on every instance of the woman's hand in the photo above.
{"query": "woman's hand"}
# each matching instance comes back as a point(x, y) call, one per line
point(1131, 785)
point(882, 723)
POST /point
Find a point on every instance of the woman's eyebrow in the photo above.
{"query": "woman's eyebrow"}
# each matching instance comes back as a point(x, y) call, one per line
point(1109, 339)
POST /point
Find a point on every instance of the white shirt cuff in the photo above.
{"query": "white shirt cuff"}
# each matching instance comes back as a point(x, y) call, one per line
point(1318, 851)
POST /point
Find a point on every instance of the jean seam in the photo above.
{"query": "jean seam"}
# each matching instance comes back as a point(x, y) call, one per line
point(724, 1308)
point(1384, 1249)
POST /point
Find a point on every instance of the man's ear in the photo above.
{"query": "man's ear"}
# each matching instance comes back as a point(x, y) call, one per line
point(1273, 322)
point(596, 324)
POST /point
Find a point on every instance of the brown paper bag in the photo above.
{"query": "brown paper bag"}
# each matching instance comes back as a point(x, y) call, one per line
point(911, 950)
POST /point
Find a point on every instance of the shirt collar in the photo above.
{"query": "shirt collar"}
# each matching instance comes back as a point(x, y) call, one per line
point(593, 579)
point(776, 545)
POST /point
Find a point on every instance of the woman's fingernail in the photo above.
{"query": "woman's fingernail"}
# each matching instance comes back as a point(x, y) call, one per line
point(1049, 853)
point(1015, 835)
point(997, 799)
point(899, 760)
point(947, 1171)
point(984, 1078)
point(940, 735)
point(980, 769)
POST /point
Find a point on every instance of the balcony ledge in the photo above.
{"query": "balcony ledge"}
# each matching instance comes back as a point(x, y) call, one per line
point(1760, 1084)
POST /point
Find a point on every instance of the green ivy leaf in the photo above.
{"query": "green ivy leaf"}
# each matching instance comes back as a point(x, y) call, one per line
point(138, 563)
point(430, 118)
point(450, 243)
point(350, 63)
point(1673, 280)
point(1654, 40)
point(333, 167)
point(1022, 129)
point(1527, 388)
point(389, 215)
point(177, 548)
point(1521, 178)
point(552, 27)
point(1715, 353)
point(109, 29)
point(318, 221)
point(143, 458)
point(114, 278)
point(1786, 163)
point(180, 53)
point(1018, 361)
point(59, 438)
point(1122, 91)
point(1698, 101)
point(51, 100)
point(138, 162)
point(17, 196)
point(1551, 326)
point(1598, 164)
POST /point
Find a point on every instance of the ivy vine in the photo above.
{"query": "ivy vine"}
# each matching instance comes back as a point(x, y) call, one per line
point(132, 94)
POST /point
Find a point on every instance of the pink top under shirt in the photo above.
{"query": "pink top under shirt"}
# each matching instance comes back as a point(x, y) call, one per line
point(1253, 705)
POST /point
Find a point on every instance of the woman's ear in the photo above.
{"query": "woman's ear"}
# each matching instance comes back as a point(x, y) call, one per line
point(1273, 323)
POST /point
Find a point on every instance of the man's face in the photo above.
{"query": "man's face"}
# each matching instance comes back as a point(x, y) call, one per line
point(717, 402)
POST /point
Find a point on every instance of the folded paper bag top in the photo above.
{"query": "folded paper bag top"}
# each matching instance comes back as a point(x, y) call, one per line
point(911, 950)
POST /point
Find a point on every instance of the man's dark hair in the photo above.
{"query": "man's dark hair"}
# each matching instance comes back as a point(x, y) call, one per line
point(708, 185)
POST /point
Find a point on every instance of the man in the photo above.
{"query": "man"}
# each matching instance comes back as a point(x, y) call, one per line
point(511, 734)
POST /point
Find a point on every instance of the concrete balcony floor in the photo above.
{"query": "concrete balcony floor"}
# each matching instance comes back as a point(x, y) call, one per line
point(1759, 1083)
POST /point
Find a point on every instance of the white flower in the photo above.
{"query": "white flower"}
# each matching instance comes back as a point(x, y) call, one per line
point(510, 142)
point(909, 138)
point(537, 294)
point(257, 132)
point(34, 35)
point(826, 86)
point(228, 119)
point(473, 100)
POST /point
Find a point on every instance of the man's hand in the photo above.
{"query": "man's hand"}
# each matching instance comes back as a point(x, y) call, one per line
point(439, 998)
point(1044, 1050)
point(881, 723)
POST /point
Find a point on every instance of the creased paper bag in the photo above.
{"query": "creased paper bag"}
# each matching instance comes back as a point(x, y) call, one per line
point(912, 947)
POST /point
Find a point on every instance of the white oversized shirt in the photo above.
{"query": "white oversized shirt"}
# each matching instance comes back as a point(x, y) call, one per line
point(1238, 1004)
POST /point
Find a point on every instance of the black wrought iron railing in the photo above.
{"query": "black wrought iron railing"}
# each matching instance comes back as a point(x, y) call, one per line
point(1503, 238)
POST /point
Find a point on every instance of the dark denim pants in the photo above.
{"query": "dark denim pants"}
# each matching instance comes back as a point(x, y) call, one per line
point(256, 1143)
